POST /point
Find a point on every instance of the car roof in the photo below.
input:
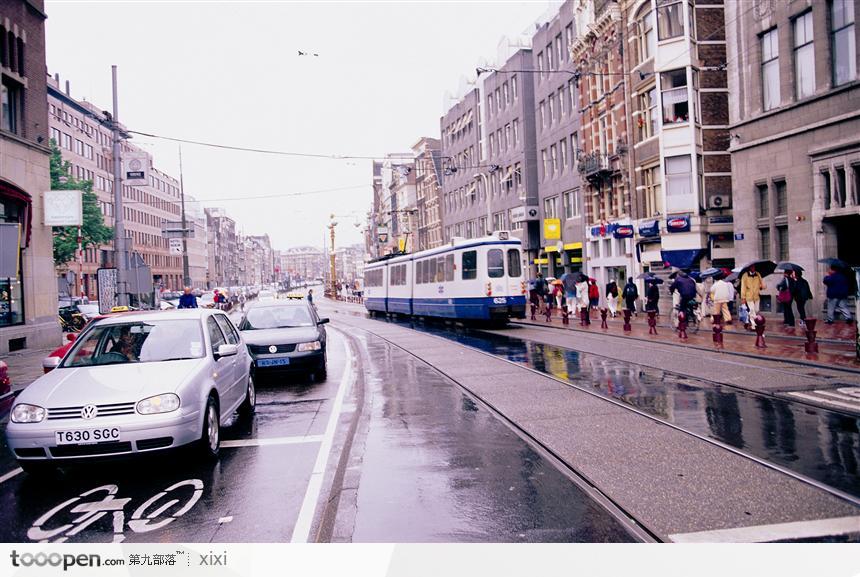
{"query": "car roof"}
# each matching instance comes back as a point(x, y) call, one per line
point(147, 316)
point(278, 303)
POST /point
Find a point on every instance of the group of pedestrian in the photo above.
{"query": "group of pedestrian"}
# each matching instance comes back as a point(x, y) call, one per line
point(571, 293)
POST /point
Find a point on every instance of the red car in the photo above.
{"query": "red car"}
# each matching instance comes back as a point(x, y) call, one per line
point(6, 396)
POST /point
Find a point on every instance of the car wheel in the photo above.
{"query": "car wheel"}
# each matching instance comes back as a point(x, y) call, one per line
point(210, 439)
point(249, 404)
point(38, 468)
point(321, 373)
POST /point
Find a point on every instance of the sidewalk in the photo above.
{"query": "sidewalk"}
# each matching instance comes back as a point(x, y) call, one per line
point(25, 366)
point(835, 342)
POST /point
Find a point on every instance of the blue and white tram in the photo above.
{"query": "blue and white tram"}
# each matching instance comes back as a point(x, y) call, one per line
point(480, 279)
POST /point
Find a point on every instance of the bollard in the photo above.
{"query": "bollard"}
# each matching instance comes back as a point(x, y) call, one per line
point(682, 326)
point(583, 317)
point(627, 327)
point(810, 346)
point(718, 330)
point(652, 322)
point(533, 311)
point(565, 316)
point(759, 332)
point(548, 313)
point(603, 313)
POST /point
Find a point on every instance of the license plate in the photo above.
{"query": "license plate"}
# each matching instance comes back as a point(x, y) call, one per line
point(273, 362)
point(87, 436)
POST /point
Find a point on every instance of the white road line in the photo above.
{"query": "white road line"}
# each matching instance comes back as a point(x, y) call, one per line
point(223, 520)
point(10, 474)
point(853, 407)
point(776, 532)
point(302, 530)
point(841, 396)
point(271, 441)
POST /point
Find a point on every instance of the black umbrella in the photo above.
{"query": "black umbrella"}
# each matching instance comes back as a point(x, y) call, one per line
point(646, 275)
point(732, 277)
point(653, 279)
point(834, 262)
point(710, 272)
point(763, 267)
point(785, 265)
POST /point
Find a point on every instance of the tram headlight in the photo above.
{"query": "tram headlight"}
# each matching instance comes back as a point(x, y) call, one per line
point(489, 289)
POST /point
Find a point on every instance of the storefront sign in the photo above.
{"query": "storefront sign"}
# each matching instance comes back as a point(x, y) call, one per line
point(723, 219)
point(649, 228)
point(63, 208)
point(135, 168)
point(623, 231)
point(551, 228)
point(678, 224)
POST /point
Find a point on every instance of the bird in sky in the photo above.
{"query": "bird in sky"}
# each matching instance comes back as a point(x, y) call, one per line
point(307, 53)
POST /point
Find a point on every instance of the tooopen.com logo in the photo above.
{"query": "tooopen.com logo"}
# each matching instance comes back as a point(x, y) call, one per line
point(57, 560)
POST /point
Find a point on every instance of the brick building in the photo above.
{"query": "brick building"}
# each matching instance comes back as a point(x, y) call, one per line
point(795, 133)
point(428, 191)
point(28, 304)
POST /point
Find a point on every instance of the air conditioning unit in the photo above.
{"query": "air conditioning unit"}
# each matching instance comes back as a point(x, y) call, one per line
point(719, 201)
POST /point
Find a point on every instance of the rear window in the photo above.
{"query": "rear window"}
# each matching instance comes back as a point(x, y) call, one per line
point(470, 265)
point(495, 263)
point(514, 267)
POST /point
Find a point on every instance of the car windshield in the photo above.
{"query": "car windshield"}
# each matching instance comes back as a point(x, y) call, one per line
point(137, 342)
point(277, 317)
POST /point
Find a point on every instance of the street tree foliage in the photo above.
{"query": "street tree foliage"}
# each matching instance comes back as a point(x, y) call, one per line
point(94, 232)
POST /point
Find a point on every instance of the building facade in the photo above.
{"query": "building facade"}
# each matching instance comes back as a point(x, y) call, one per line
point(795, 134)
point(557, 146)
point(223, 248)
point(28, 304)
point(461, 158)
point(304, 263)
point(428, 191)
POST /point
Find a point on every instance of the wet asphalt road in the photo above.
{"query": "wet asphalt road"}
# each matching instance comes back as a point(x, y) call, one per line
point(435, 467)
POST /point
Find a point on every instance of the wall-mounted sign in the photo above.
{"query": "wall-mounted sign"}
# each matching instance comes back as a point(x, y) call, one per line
point(739, 236)
point(552, 228)
point(623, 231)
point(678, 224)
point(175, 246)
point(63, 208)
point(135, 168)
point(649, 228)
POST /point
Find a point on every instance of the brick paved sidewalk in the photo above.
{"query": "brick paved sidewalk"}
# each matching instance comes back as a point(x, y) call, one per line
point(784, 344)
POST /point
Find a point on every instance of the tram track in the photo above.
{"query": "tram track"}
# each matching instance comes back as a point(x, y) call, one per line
point(453, 336)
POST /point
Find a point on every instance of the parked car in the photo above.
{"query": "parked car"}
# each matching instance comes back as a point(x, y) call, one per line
point(285, 336)
point(135, 383)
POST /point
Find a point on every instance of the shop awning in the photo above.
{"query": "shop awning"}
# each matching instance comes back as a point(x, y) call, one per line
point(9, 191)
point(683, 258)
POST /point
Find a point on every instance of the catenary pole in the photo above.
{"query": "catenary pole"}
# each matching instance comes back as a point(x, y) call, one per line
point(120, 255)
point(186, 275)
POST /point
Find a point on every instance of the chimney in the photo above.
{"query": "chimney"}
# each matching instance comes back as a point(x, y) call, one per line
point(57, 77)
point(68, 90)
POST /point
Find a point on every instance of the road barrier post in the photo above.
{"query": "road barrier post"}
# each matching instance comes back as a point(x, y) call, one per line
point(652, 322)
point(718, 329)
point(682, 325)
point(759, 332)
point(810, 346)
point(627, 327)
point(603, 313)
point(533, 311)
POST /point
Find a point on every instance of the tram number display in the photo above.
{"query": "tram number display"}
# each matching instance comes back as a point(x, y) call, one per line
point(500, 301)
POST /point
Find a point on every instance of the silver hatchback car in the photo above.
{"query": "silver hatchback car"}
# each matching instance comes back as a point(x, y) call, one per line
point(134, 383)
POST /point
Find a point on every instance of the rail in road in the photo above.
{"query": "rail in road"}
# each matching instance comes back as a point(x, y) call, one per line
point(842, 485)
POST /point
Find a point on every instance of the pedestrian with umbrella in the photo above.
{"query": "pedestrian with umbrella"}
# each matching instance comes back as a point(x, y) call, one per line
point(802, 293)
point(568, 281)
point(612, 297)
point(557, 292)
point(630, 294)
point(652, 294)
point(838, 287)
point(787, 291)
point(582, 292)
point(752, 284)
point(722, 293)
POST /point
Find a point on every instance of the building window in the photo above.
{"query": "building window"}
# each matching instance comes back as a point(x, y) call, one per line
point(550, 100)
point(770, 69)
point(559, 53)
point(540, 63)
point(553, 153)
point(542, 113)
point(804, 57)
point(676, 107)
point(550, 207)
point(647, 40)
point(507, 135)
point(679, 175)
point(561, 99)
point(781, 198)
point(516, 130)
point(518, 175)
point(842, 41)
point(545, 162)
point(568, 30)
point(764, 242)
point(782, 243)
point(10, 97)
point(603, 135)
point(506, 93)
point(647, 121)
point(652, 191)
point(571, 203)
point(562, 150)
point(763, 200)
point(670, 20)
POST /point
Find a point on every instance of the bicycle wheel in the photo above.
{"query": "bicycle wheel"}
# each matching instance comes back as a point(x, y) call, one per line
point(161, 503)
point(74, 515)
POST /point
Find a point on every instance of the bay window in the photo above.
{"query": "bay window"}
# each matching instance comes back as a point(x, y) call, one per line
point(676, 106)
point(670, 20)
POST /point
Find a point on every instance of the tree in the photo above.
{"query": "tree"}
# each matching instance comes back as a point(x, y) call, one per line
point(94, 232)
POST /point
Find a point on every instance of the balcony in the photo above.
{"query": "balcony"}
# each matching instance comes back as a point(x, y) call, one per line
point(594, 166)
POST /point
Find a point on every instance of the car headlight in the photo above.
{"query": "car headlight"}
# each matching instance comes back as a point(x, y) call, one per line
point(164, 403)
point(24, 413)
point(305, 347)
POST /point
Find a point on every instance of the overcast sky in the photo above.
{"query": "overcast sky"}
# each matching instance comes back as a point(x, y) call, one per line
point(230, 73)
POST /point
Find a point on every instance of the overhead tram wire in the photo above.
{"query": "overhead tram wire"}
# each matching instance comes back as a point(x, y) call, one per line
point(264, 196)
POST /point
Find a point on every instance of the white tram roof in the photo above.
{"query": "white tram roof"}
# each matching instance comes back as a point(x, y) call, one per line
point(499, 236)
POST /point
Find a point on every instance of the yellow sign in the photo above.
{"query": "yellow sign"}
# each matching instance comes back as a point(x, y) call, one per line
point(401, 244)
point(551, 228)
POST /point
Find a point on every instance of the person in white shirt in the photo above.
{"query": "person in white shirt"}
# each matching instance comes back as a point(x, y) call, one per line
point(721, 294)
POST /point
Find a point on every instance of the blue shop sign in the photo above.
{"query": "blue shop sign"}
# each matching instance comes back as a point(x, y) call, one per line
point(678, 224)
point(649, 228)
point(623, 231)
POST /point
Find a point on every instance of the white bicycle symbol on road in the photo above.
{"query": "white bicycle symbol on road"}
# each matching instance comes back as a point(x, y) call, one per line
point(150, 516)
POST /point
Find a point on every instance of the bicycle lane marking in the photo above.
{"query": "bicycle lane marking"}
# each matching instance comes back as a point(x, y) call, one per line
point(10, 474)
point(302, 529)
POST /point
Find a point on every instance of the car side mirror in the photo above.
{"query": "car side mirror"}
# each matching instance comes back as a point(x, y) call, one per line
point(227, 350)
point(323, 321)
point(50, 363)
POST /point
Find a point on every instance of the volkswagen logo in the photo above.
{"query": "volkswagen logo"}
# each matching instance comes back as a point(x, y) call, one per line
point(273, 349)
point(89, 411)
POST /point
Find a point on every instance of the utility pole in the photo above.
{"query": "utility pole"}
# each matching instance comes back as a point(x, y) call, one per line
point(331, 226)
point(120, 255)
point(186, 275)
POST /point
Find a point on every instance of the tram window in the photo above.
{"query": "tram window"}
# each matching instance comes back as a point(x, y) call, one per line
point(449, 268)
point(423, 271)
point(495, 263)
point(431, 270)
point(514, 268)
point(470, 265)
point(440, 269)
